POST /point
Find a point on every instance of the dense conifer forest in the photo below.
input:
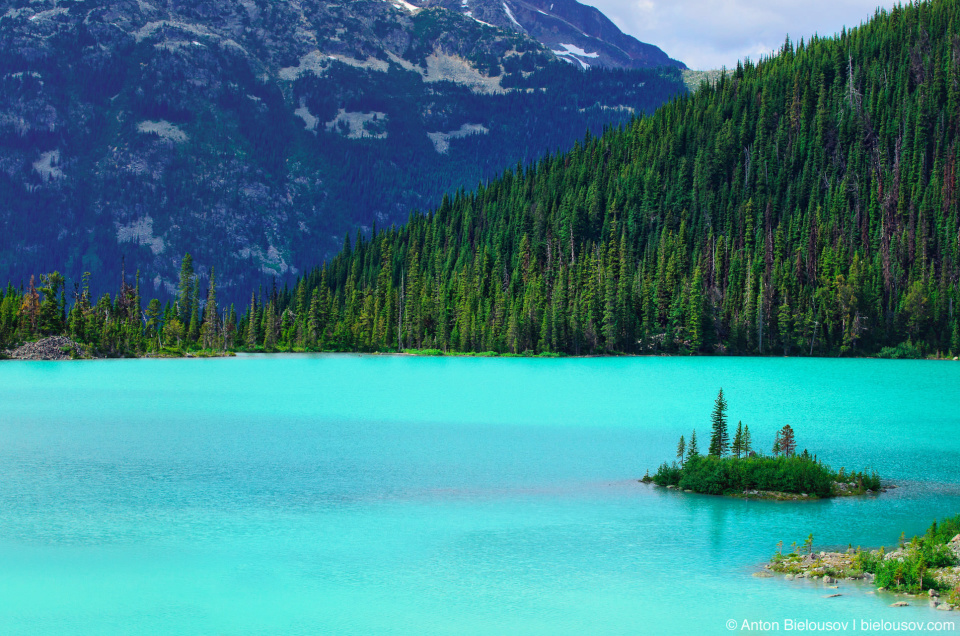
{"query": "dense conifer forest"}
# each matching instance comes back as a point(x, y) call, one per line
point(804, 205)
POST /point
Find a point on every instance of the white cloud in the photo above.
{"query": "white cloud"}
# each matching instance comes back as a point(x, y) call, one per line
point(708, 34)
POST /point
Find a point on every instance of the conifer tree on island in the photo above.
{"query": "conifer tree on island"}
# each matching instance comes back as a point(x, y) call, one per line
point(788, 444)
point(719, 439)
point(737, 447)
point(693, 450)
point(784, 475)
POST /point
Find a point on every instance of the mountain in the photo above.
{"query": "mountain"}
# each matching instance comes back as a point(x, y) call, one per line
point(574, 32)
point(808, 204)
point(256, 135)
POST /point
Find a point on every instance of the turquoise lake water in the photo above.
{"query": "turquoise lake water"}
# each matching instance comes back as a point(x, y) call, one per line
point(389, 495)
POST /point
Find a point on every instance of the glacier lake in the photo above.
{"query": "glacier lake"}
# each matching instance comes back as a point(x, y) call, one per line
point(353, 494)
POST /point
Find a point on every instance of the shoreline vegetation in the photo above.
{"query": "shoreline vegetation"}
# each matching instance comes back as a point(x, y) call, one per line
point(925, 569)
point(734, 468)
point(63, 348)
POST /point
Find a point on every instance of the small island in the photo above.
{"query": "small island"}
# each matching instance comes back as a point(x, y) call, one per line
point(925, 568)
point(736, 469)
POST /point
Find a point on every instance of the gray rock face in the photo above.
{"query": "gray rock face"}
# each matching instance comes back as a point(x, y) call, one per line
point(577, 33)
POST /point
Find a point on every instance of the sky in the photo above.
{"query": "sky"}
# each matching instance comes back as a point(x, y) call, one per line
point(708, 34)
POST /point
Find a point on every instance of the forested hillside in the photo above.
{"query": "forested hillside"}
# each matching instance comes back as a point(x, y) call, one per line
point(807, 204)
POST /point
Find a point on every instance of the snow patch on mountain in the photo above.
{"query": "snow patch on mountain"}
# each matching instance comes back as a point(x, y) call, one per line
point(403, 4)
point(576, 50)
point(509, 13)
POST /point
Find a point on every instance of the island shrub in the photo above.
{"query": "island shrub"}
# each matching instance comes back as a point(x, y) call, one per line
point(712, 475)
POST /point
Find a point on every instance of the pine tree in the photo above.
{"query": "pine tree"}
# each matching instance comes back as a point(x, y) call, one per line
point(269, 328)
point(777, 446)
point(695, 313)
point(737, 446)
point(681, 450)
point(719, 438)
point(747, 442)
point(211, 319)
point(692, 449)
point(788, 444)
point(185, 289)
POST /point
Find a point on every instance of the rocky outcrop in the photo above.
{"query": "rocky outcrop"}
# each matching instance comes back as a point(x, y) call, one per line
point(832, 568)
point(574, 32)
point(54, 348)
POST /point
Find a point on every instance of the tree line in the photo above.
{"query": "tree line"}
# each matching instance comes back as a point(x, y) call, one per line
point(803, 205)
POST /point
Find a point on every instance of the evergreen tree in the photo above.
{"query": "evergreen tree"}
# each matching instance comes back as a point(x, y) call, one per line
point(719, 438)
point(211, 320)
point(185, 288)
point(737, 446)
point(270, 328)
point(681, 450)
point(788, 444)
point(693, 449)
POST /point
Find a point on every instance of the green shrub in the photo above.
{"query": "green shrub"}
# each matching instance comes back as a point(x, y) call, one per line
point(910, 571)
point(903, 351)
point(667, 475)
point(718, 476)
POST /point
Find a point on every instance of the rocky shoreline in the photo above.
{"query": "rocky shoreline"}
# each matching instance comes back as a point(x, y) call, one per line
point(840, 489)
point(832, 568)
point(53, 348)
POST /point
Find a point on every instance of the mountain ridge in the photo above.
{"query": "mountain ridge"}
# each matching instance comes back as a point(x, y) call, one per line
point(253, 133)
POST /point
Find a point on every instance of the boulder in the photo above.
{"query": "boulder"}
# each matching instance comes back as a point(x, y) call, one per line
point(945, 607)
point(829, 580)
point(899, 604)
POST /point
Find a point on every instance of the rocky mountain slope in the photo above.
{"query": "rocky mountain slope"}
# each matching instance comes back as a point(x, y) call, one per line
point(256, 134)
point(574, 32)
